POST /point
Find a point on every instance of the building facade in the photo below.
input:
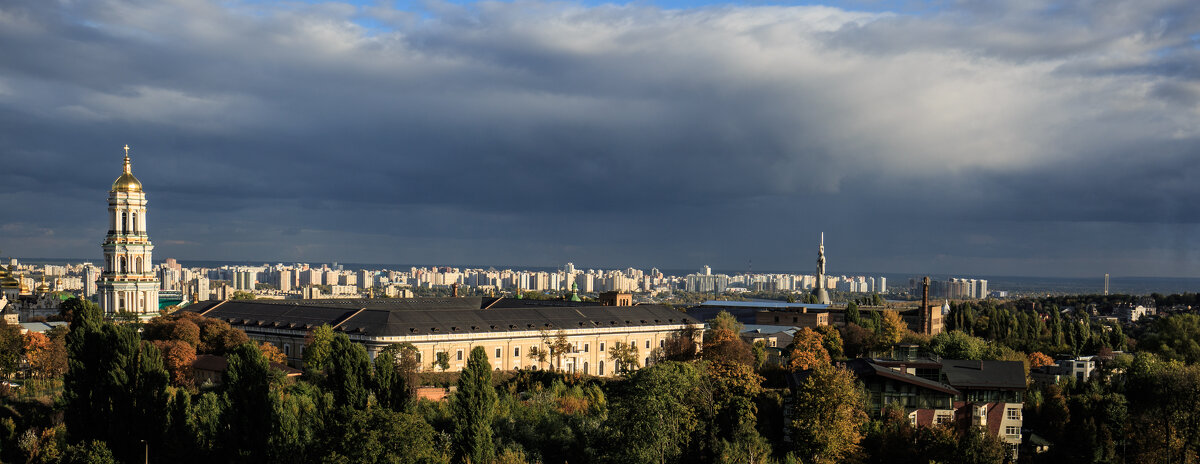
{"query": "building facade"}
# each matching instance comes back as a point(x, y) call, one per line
point(128, 282)
point(508, 329)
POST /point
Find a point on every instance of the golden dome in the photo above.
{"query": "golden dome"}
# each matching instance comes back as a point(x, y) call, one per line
point(127, 183)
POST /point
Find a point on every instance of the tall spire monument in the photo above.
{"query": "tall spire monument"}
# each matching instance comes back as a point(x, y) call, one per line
point(820, 292)
point(128, 283)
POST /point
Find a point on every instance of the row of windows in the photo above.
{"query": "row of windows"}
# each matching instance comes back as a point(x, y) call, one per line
point(458, 355)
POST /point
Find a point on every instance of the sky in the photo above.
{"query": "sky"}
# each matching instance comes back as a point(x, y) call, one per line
point(991, 137)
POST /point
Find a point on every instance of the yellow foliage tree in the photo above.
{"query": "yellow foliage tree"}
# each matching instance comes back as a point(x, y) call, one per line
point(892, 329)
point(808, 350)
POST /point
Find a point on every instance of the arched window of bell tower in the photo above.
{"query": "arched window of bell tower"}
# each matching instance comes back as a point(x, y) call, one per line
point(124, 222)
point(124, 265)
point(135, 224)
point(139, 265)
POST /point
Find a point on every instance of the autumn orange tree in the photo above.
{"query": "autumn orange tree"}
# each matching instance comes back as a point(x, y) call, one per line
point(1038, 359)
point(272, 353)
point(47, 357)
point(178, 357)
point(808, 350)
point(892, 329)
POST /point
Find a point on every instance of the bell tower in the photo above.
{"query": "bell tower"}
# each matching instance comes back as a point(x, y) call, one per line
point(128, 283)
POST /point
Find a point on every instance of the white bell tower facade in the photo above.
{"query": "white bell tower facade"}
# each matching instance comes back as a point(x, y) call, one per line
point(128, 283)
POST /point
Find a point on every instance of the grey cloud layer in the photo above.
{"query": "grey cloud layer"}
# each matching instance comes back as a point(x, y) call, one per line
point(974, 138)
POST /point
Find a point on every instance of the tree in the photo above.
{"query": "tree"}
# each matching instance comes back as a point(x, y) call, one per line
point(347, 375)
point(474, 406)
point(852, 316)
point(248, 381)
point(726, 345)
point(657, 418)
point(92, 452)
point(832, 340)
point(178, 357)
point(977, 446)
point(855, 339)
point(217, 336)
point(558, 346)
point(725, 321)
point(625, 355)
point(442, 360)
point(47, 357)
point(395, 379)
point(955, 344)
point(1174, 338)
point(384, 436)
point(69, 308)
point(317, 348)
point(12, 346)
point(808, 351)
point(1037, 359)
point(827, 415)
point(241, 295)
point(680, 346)
point(892, 328)
point(272, 353)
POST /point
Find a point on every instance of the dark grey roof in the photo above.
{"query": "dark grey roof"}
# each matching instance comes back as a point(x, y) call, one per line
point(864, 368)
point(400, 319)
point(1009, 375)
point(385, 303)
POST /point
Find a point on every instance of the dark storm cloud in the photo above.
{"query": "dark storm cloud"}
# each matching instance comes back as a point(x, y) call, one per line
point(985, 137)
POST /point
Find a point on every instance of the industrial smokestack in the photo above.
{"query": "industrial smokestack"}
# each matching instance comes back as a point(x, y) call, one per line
point(926, 317)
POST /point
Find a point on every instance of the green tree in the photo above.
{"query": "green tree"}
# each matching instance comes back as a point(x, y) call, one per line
point(69, 308)
point(625, 355)
point(725, 321)
point(832, 340)
point(248, 380)
point(474, 406)
point(240, 295)
point(656, 419)
point(318, 349)
point(92, 452)
point(852, 316)
point(827, 415)
point(395, 379)
point(978, 446)
point(441, 360)
point(384, 436)
point(12, 348)
point(348, 373)
point(1175, 337)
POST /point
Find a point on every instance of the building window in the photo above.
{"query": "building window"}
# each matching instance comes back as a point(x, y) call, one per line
point(602, 367)
point(585, 350)
point(1013, 431)
point(585, 367)
point(459, 355)
point(517, 352)
point(418, 357)
point(646, 362)
point(497, 353)
point(1012, 413)
point(942, 418)
point(662, 343)
point(601, 347)
point(287, 350)
point(647, 344)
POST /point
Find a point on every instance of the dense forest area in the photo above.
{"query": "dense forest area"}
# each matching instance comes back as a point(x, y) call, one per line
point(103, 391)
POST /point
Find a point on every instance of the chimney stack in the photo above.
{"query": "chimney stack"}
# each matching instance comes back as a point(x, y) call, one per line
point(926, 317)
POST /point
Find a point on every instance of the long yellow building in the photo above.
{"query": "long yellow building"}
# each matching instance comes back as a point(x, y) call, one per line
point(508, 329)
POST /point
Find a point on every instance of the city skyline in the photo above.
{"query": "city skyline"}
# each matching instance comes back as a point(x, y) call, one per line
point(521, 134)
